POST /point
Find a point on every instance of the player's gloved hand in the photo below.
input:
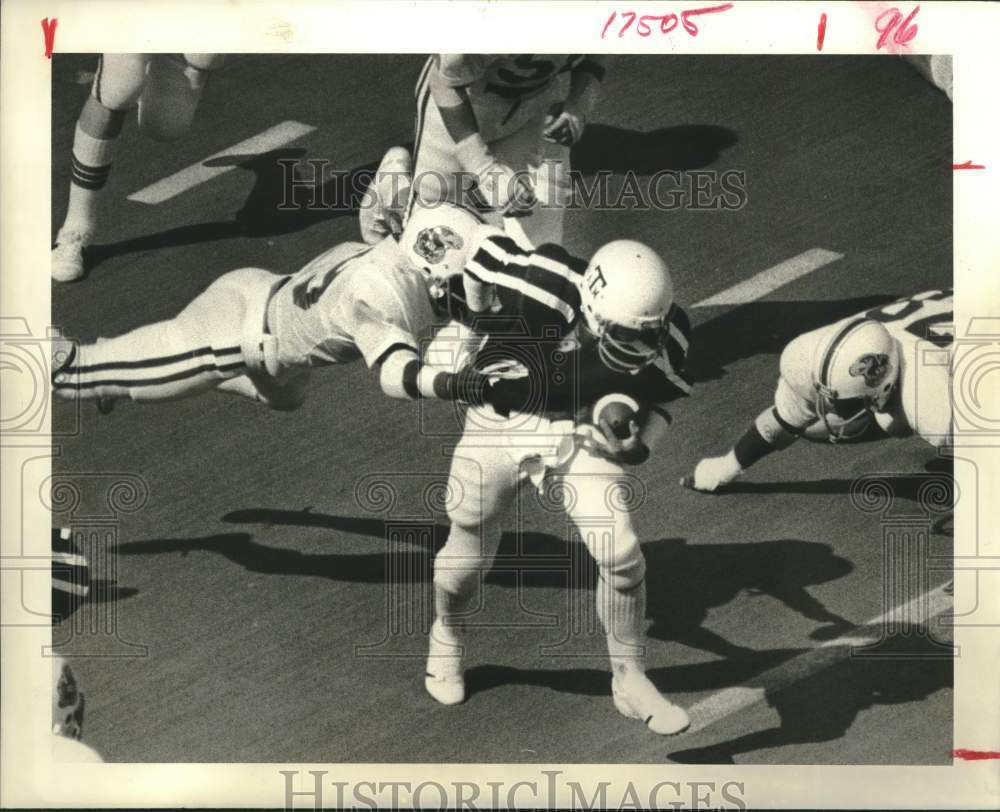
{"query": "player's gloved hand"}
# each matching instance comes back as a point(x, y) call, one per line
point(631, 450)
point(475, 388)
point(563, 124)
point(505, 190)
point(712, 473)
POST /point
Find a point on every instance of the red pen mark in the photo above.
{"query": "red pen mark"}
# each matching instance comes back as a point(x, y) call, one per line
point(689, 26)
point(607, 25)
point(888, 25)
point(666, 22)
point(968, 165)
point(821, 33)
point(976, 755)
point(49, 30)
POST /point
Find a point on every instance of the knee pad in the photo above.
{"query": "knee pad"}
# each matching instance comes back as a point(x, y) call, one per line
point(170, 97)
point(205, 62)
point(625, 573)
point(465, 557)
point(120, 79)
point(482, 482)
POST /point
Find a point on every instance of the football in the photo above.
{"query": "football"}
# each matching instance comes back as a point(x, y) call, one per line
point(619, 411)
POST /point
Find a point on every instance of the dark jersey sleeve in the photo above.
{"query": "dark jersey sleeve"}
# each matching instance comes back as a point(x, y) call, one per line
point(538, 291)
point(673, 362)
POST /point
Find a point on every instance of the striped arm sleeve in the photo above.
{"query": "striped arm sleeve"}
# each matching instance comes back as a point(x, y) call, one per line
point(547, 276)
point(674, 358)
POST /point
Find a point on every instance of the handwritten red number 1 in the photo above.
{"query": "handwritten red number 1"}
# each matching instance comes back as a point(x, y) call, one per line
point(888, 25)
point(821, 33)
point(49, 31)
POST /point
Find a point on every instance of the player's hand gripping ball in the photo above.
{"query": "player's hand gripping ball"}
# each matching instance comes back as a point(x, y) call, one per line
point(619, 419)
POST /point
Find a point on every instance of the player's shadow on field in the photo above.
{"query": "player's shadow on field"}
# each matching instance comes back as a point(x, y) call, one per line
point(902, 487)
point(684, 582)
point(289, 194)
point(406, 562)
point(822, 706)
point(618, 150)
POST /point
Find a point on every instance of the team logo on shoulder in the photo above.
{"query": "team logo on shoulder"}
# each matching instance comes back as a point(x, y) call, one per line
point(433, 243)
point(873, 367)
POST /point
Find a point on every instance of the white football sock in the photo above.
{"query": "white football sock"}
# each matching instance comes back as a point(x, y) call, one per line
point(92, 159)
point(623, 613)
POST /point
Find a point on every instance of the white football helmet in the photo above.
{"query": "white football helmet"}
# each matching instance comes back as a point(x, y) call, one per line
point(854, 373)
point(67, 701)
point(626, 297)
point(437, 239)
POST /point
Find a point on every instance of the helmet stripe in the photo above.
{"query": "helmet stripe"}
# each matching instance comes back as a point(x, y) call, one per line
point(824, 371)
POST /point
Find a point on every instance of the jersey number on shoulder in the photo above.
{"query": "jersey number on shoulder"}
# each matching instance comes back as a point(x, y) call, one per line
point(530, 71)
point(922, 328)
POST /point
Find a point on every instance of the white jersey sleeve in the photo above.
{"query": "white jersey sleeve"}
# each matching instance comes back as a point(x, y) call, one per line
point(795, 396)
point(334, 311)
point(394, 311)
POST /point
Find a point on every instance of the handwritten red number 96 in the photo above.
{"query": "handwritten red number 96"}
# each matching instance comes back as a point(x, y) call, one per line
point(888, 25)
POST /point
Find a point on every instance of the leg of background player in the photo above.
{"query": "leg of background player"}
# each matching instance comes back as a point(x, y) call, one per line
point(118, 83)
point(174, 84)
point(548, 165)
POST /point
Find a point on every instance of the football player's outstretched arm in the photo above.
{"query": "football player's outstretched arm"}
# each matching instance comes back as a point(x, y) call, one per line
point(404, 376)
point(774, 429)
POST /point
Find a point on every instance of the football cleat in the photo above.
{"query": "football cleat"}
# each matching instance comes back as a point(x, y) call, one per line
point(712, 473)
point(63, 352)
point(67, 256)
point(637, 698)
point(105, 405)
point(444, 680)
point(385, 199)
point(67, 701)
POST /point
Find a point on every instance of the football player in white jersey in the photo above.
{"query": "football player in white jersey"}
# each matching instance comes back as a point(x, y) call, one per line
point(504, 123)
point(167, 89)
point(582, 334)
point(258, 334)
point(836, 381)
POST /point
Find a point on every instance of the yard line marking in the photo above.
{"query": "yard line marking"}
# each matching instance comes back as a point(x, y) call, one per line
point(169, 187)
point(773, 278)
point(712, 709)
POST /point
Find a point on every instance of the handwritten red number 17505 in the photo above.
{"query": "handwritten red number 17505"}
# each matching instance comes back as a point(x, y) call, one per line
point(665, 22)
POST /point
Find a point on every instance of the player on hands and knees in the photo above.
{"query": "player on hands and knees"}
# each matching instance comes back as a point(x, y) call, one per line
point(259, 334)
point(167, 89)
point(620, 341)
point(839, 380)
